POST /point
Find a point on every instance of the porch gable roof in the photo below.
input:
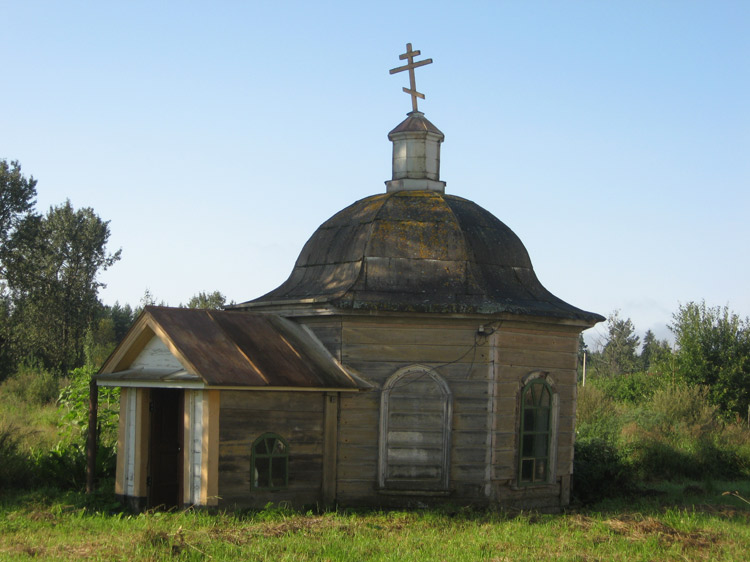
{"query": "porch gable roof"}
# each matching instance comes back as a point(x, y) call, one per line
point(234, 349)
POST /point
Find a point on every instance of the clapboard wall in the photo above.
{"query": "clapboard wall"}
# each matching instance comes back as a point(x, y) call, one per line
point(298, 417)
point(379, 347)
point(521, 349)
point(484, 362)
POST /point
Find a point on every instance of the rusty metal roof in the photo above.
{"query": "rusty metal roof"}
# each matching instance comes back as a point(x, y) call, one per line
point(234, 349)
point(420, 251)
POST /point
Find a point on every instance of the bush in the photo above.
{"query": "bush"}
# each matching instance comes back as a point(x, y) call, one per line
point(677, 433)
point(33, 385)
point(599, 471)
point(685, 409)
point(678, 437)
point(67, 461)
point(14, 464)
point(634, 388)
point(74, 408)
point(597, 415)
point(63, 465)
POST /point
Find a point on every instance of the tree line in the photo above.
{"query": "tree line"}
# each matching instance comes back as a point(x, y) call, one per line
point(51, 317)
point(711, 349)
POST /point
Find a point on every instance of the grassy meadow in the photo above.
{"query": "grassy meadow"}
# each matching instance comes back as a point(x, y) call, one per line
point(654, 461)
point(683, 522)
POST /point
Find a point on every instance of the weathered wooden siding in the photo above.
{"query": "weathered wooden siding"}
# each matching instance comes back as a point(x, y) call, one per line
point(484, 374)
point(379, 347)
point(155, 355)
point(298, 417)
point(328, 331)
point(519, 350)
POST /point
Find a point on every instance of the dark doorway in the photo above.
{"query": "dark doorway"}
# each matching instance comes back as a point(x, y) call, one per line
point(165, 450)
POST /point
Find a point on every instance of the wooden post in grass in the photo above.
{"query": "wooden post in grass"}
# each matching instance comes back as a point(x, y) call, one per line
point(91, 438)
point(584, 369)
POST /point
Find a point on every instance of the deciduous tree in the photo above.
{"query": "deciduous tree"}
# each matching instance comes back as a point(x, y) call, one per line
point(213, 300)
point(17, 198)
point(52, 265)
point(17, 195)
point(714, 350)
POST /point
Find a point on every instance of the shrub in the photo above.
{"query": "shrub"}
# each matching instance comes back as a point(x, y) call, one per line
point(64, 466)
point(679, 434)
point(14, 469)
point(683, 408)
point(599, 471)
point(74, 407)
point(596, 415)
point(634, 388)
point(66, 463)
point(32, 384)
point(662, 431)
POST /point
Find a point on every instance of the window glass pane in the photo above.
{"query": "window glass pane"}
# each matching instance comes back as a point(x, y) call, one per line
point(528, 446)
point(540, 470)
point(540, 445)
point(278, 472)
point(527, 470)
point(542, 419)
point(528, 420)
point(536, 420)
point(262, 476)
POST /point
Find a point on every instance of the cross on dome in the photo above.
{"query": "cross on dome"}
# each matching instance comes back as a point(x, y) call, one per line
point(410, 66)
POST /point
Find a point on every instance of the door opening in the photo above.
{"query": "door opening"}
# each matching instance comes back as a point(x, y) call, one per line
point(165, 449)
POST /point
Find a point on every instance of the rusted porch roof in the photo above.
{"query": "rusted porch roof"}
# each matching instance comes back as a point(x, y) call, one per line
point(235, 349)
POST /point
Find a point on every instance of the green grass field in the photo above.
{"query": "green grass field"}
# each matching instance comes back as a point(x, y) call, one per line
point(673, 523)
point(671, 436)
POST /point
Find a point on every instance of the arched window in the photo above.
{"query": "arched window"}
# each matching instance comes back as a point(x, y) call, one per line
point(415, 424)
point(269, 467)
point(535, 432)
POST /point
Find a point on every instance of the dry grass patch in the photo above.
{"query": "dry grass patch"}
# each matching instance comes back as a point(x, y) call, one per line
point(65, 529)
point(639, 528)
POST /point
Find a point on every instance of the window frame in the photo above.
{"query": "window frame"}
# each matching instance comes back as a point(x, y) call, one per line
point(552, 410)
point(254, 456)
point(415, 485)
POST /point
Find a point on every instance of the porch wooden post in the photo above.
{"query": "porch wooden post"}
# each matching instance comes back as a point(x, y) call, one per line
point(330, 438)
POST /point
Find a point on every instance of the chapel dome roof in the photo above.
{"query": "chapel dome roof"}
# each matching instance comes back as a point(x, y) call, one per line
point(418, 251)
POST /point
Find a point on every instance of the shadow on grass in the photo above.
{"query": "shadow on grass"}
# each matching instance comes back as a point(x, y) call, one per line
point(723, 498)
point(102, 501)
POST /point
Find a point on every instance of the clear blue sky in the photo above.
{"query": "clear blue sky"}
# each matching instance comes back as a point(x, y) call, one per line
point(612, 137)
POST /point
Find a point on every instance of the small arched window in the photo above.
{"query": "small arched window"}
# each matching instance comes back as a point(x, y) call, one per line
point(535, 433)
point(269, 467)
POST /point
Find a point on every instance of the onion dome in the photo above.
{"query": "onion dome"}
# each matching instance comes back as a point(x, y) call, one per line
point(417, 249)
point(420, 251)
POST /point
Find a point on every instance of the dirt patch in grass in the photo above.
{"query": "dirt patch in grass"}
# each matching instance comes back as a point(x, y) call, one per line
point(245, 534)
point(69, 552)
point(723, 511)
point(639, 529)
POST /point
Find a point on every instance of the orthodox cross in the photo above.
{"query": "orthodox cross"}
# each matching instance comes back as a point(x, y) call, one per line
point(410, 66)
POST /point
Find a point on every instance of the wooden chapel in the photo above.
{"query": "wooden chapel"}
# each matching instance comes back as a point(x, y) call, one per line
point(411, 358)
